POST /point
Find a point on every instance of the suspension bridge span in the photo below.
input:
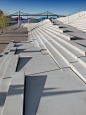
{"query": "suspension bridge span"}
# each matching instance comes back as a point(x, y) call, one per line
point(47, 13)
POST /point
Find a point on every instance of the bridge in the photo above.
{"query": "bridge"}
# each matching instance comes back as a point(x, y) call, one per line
point(47, 13)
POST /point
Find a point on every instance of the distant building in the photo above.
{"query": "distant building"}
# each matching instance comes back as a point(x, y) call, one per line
point(1, 12)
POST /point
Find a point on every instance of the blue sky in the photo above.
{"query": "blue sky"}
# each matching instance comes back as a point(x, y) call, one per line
point(62, 7)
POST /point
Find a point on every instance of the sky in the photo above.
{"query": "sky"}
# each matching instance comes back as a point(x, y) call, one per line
point(62, 7)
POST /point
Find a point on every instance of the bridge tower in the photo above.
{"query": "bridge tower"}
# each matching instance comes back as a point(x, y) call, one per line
point(19, 18)
point(47, 14)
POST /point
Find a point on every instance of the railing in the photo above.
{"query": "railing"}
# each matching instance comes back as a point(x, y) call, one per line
point(75, 12)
